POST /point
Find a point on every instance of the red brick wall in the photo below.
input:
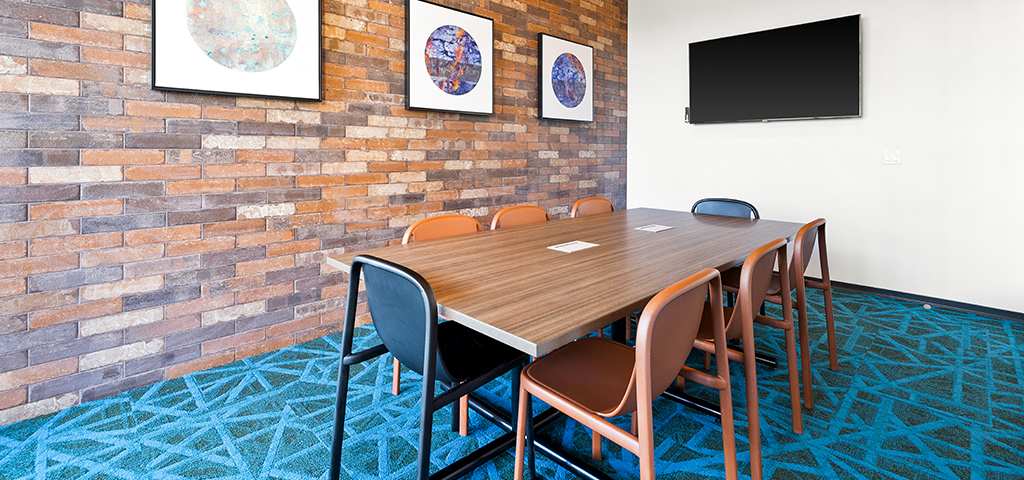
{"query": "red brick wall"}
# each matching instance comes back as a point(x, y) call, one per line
point(145, 235)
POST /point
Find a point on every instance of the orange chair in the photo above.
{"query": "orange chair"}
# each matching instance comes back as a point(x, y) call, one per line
point(439, 227)
point(755, 277)
point(428, 229)
point(594, 379)
point(519, 215)
point(802, 250)
point(591, 206)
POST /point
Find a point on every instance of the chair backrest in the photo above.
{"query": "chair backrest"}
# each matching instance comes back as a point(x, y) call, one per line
point(755, 278)
point(803, 247)
point(591, 206)
point(729, 207)
point(404, 312)
point(519, 215)
point(440, 226)
point(665, 334)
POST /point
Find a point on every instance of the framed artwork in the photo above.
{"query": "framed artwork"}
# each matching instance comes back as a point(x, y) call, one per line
point(449, 60)
point(566, 79)
point(254, 48)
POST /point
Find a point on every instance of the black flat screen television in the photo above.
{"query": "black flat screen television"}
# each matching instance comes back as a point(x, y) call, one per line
point(798, 72)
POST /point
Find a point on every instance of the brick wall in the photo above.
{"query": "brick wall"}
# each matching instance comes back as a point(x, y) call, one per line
point(145, 235)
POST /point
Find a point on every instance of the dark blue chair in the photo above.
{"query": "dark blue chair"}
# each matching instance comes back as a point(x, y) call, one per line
point(729, 207)
point(404, 313)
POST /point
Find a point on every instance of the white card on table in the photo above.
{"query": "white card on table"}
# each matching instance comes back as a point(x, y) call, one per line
point(572, 246)
point(654, 227)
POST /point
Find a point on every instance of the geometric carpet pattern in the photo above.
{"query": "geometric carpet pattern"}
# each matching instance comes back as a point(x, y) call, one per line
point(920, 393)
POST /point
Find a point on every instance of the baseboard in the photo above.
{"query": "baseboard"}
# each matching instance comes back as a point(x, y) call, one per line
point(938, 302)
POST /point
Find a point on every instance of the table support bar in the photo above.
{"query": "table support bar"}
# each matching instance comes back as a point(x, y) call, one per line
point(506, 441)
point(762, 358)
point(693, 402)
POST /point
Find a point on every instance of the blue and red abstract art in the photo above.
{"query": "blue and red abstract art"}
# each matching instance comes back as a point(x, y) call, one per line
point(453, 60)
point(569, 80)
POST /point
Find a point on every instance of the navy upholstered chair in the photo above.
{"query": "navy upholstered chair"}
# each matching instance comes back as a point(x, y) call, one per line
point(404, 313)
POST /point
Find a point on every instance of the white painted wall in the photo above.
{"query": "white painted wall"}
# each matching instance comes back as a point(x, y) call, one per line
point(943, 82)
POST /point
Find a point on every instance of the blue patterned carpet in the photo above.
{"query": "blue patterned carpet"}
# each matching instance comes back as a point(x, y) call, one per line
point(919, 394)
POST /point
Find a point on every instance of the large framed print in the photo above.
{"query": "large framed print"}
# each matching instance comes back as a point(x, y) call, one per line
point(566, 79)
point(449, 60)
point(255, 48)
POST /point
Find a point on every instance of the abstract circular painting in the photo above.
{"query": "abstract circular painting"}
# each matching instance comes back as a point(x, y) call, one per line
point(569, 80)
point(243, 35)
point(453, 60)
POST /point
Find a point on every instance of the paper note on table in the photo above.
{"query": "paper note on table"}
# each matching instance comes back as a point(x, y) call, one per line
point(654, 227)
point(572, 246)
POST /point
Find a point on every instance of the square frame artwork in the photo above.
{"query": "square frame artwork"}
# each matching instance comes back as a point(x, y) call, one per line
point(197, 48)
point(449, 60)
point(566, 80)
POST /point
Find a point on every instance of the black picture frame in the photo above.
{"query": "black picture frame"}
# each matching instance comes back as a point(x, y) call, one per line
point(185, 59)
point(469, 91)
point(562, 98)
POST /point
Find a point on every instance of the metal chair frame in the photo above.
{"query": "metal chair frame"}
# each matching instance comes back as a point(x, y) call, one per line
point(433, 362)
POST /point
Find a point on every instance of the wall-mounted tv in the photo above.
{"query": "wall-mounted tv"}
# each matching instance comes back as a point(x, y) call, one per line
point(798, 72)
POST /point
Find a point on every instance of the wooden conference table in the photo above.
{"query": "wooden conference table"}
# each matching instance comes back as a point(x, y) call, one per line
point(509, 285)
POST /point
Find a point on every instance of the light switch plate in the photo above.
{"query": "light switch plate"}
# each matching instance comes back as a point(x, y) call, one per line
point(891, 157)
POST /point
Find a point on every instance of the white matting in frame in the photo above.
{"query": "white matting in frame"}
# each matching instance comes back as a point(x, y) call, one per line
point(258, 48)
point(566, 79)
point(449, 60)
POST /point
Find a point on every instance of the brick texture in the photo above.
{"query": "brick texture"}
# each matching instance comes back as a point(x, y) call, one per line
point(145, 234)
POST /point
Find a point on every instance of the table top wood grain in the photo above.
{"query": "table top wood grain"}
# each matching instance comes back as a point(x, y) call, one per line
point(508, 285)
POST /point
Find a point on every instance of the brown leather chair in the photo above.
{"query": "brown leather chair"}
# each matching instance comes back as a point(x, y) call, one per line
point(591, 206)
point(519, 215)
point(594, 379)
point(755, 277)
point(801, 258)
point(428, 229)
point(802, 250)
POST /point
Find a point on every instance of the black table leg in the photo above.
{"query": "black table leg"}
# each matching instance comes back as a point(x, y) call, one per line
point(619, 330)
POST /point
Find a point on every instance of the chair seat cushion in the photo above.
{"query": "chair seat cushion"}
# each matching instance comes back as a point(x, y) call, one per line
point(593, 372)
point(467, 353)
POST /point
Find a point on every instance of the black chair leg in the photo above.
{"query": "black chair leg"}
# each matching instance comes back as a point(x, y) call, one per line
point(344, 366)
point(426, 426)
point(339, 420)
